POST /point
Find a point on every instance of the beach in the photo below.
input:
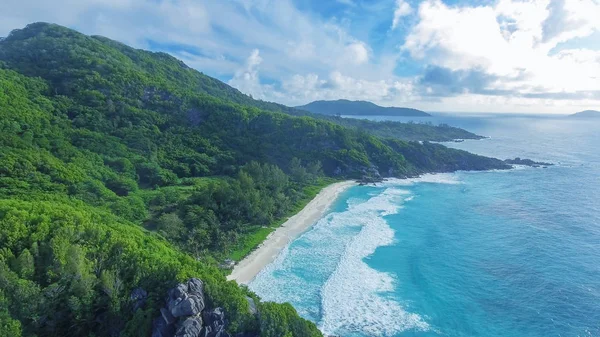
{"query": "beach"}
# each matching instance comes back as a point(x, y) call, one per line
point(266, 252)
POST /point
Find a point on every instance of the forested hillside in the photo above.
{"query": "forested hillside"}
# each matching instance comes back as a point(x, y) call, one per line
point(122, 168)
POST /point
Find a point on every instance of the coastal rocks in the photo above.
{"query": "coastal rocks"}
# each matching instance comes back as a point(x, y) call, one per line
point(160, 328)
point(167, 316)
point(526, 162)
point(187, 299)
point(191, 327)
point(185, 315)
point(370, 175)
point(214, 318)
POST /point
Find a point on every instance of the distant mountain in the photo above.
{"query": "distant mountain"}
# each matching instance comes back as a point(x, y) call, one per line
point(359, 108)
point(587, 114)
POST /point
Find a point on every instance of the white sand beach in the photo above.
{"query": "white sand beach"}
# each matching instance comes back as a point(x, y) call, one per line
point(251, 265)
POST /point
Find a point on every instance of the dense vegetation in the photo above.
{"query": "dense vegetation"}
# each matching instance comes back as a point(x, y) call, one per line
point(358, 108)
point(122, 168)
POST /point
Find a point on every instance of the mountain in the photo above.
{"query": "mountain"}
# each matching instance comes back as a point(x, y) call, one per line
point(587, 114)
point(358, 108)
point(124, 172)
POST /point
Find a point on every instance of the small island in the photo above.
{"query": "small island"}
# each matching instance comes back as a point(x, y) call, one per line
point(587, 114)
point(359, 108)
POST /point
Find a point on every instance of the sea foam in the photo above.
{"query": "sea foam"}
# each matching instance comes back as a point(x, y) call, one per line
point(434, 178)
point(323, 273)
point(354, 298)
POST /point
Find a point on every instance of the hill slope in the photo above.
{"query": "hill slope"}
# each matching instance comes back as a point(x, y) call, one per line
point(587, 114)
point(358, 108)
point(122, 168)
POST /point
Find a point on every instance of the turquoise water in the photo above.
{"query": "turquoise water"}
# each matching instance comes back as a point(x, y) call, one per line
point(511, 253)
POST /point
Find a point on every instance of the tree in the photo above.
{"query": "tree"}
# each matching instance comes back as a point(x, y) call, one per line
point(24, 265)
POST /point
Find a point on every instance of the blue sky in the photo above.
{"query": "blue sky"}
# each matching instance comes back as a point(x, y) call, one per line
point(535, 56)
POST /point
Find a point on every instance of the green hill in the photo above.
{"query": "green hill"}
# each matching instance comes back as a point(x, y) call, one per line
point(122, 168)
point(359, 108)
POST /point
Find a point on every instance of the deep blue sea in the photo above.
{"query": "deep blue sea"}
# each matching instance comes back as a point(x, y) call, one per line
point(501, 253)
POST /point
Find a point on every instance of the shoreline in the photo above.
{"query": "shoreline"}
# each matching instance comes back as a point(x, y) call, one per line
point(245, 270)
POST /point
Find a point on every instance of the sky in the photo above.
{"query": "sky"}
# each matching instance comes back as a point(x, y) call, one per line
point(533, 56)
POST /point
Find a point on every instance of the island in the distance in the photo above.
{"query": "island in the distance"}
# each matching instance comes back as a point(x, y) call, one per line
point(359, 108)
point(587, 114)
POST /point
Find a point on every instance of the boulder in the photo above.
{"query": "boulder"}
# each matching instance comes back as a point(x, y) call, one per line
point(189, 306)
point(214, 319)
point(220, 332)
point(166, 315)
point(205, 332)
point(251, 305)
point(196, 287)
point(186, 299)
point(191, 327)
point(138, 298)
point(185, 315)
point(160, 328)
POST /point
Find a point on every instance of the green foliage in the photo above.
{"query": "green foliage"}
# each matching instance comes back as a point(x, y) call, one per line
point(121, 168)
point(8, 325)
point(24, 265)
point(283, 320)
point(88, 263)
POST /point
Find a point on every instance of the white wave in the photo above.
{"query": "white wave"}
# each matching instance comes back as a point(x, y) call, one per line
point(353, 298)
point(434, 178)
point(323, 273)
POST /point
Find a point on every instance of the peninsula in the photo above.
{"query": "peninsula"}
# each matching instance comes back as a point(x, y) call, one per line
point(359, 108)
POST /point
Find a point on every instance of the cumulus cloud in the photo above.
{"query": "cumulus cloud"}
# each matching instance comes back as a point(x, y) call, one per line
point(357, 53)
point(503, 53)
point(570, 19)
point(508, 46)
point(402, 9)
point(247, 79)
point(304, 88)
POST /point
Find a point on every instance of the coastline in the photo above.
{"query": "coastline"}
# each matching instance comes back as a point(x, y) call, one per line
point(245, 270)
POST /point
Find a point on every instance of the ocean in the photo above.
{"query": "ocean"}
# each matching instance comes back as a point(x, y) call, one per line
point(498, 253)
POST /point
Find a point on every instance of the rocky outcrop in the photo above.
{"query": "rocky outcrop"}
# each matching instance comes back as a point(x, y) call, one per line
point(252, 305)
point(187, 299)
point(185, 314)
point(138, 298)
point(526, 162)
point(191, 327)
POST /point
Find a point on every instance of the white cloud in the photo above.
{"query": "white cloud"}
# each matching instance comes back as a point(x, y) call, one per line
point(569, 19)
point(357, 53)
point(402, 9)
point(302, 89)
point(508, 41)
point(247, 79)
point(517, 45)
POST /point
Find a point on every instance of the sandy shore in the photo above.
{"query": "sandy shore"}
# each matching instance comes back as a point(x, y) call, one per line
point(250, 266)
